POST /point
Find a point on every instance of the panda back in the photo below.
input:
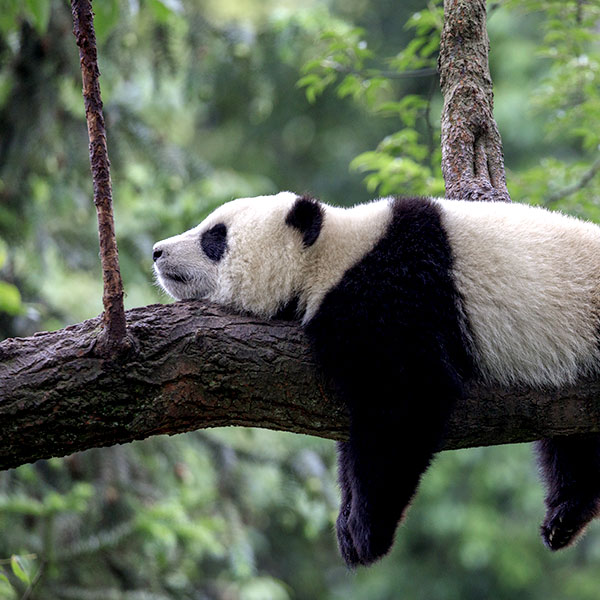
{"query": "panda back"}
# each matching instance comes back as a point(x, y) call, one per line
point(530, 283)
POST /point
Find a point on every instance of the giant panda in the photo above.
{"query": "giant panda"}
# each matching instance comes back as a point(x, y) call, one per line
point(404, 300)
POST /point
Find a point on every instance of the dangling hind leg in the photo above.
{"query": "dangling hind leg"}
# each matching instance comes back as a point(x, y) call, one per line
point(570, 467)
point(345, 474)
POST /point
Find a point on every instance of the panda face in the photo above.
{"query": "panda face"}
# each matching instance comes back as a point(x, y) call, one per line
point(249, 254)
point(186, 265)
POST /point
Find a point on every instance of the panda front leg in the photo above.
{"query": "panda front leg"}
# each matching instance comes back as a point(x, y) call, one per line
point(345, 478)
point(570, 467)
point(380, 469)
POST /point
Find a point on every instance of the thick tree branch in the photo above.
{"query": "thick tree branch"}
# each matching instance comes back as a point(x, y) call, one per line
point(472, 159)
point(112, 298)
point(192, 365)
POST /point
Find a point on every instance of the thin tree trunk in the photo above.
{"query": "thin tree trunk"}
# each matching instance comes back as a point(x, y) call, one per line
point(472, 159)
point(112, 298)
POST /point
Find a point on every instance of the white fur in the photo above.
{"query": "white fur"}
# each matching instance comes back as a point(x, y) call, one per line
point(530, 280)
point(250, 276)
point(266, 263)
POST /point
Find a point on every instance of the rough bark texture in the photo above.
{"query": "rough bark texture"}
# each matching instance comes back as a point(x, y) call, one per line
point(192, 365)
point(114, 312)
point(472, 160)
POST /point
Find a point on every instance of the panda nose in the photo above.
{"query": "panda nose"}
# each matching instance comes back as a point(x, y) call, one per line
point(156, 254)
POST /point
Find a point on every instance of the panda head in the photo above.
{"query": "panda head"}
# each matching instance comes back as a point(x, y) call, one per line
point(249, 254)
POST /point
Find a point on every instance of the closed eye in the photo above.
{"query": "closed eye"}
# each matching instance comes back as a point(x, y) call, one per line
point(214, 242)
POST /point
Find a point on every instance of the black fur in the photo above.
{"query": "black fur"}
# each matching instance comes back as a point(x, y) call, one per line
point(214, 242)
point(289, 311)
point(389, 337)
point(306, 215)
point(570, 467)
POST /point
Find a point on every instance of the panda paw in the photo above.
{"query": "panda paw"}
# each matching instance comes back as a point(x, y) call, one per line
point(345, 543)
point(566, 521)
point(371, 540)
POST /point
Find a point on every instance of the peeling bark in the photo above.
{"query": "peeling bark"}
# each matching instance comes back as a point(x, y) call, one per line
point(472, 159)
point(114, 339)
point(192, 365)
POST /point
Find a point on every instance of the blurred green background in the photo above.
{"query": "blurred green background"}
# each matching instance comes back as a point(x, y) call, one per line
point(205, 101)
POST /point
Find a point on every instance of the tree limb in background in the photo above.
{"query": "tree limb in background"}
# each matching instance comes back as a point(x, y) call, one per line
point(472, 159)
point(193, 365)
point(112, 298)
point(575, 187)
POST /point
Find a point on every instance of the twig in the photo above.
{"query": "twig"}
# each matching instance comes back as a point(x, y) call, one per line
point(33, 583)
point(114, 312)
point(369, 73)
point(575, 187)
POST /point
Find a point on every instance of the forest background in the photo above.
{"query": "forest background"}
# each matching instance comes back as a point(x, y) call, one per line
point(206, 101)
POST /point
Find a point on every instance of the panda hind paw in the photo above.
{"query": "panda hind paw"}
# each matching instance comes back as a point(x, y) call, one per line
point(346, 544)
point(372, 540)
point(565, 522)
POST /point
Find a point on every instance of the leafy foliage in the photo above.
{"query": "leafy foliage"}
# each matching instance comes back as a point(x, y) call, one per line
point(409, 158)
point(569, 97)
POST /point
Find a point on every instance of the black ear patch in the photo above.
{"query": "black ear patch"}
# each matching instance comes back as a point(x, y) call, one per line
point(214, 242)
point(307, 216)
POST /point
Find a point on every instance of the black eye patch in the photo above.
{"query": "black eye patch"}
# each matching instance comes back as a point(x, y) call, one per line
point(214, 242)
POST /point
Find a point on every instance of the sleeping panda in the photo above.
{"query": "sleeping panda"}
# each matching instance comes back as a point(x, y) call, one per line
point(404, 300)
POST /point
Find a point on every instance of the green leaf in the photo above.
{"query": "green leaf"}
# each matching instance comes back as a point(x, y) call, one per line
point(6, 589)
point(106, 16)
point(162, 9)
point(308, 80)
point(10, 299)
point(18, 569)
point(350, 86)
point(8, 15)
point(39, 11)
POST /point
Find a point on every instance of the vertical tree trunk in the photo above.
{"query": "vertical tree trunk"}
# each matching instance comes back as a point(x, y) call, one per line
point(114, 311)
point(472, 159)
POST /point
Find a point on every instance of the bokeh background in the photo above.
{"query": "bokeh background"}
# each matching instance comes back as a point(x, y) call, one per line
point(205, 101)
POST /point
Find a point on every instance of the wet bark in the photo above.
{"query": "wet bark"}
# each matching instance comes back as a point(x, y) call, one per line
point(192, 365)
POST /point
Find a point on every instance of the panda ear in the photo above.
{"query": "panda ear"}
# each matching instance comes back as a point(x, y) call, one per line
point(306, 215)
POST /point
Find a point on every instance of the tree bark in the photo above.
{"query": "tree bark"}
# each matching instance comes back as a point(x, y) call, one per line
point(192, 365)
point(472, 159)
point(114, 339)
